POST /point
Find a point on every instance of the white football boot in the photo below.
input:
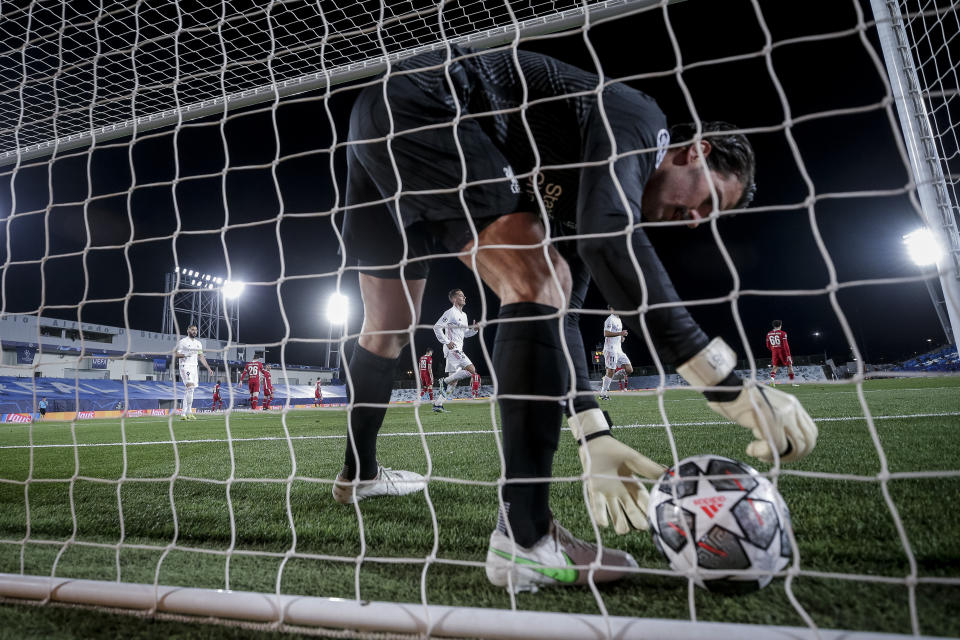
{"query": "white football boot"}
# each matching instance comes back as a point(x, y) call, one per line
point(557, 558)
point(389, 482)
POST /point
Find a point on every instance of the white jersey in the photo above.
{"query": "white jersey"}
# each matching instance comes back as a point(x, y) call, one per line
point(612, 324)
point(189, 348)
point(452, 327)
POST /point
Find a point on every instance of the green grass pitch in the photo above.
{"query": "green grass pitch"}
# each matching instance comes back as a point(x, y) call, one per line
point(276, 472)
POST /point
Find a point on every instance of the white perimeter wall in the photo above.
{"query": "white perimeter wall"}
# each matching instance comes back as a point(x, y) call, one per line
point(64, 366)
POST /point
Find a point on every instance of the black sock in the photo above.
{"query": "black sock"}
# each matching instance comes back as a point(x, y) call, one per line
point(586, 397)
point(370, 379)
point(528, 359)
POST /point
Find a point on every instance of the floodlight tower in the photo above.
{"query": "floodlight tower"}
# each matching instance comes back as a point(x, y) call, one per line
point(926, 252)
point(338, 308)
point(210, 302)
point(817, 335)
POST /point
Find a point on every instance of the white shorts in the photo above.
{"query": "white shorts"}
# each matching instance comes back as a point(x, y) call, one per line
point(455, 360)
point(614, 359)
point(189, 375)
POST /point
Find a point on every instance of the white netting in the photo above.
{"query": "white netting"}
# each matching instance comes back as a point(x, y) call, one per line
point(72, 71)
point(245, 504)
point(933, 29)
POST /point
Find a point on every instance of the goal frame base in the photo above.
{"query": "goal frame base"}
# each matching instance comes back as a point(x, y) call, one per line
point(380, 617)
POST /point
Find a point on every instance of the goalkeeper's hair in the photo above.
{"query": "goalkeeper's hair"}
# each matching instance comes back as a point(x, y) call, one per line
point(732, 153)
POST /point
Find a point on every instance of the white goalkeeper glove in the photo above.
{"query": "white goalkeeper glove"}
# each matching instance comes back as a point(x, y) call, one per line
point(610, 466)
point(776, 418)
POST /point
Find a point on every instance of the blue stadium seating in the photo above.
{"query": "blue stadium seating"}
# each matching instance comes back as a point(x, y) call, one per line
point(944, 359)
point(18, 395)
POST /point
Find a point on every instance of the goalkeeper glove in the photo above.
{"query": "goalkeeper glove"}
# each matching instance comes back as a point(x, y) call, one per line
point(610, 466)
point(776, 418)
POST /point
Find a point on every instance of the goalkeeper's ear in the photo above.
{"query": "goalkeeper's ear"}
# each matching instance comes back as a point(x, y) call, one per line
point(714, 366)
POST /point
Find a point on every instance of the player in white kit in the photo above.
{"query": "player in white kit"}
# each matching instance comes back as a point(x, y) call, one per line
point(451, 329)
point(189, 351)
point(613, 355)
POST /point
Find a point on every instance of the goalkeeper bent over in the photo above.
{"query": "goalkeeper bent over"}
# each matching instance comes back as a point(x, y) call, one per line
point(649, 175)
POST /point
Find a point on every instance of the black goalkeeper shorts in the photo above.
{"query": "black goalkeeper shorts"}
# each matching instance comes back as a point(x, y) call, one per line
point(429, 208)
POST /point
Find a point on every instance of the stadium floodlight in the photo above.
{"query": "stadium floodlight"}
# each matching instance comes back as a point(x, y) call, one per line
point(184, 272)
point(338, 306)
point(922, 247)
point(816, 334)
point(232, 288)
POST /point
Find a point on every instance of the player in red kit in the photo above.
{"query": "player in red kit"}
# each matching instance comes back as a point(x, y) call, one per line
point(426, 379)
point(425, 367)
point(779, 351)
point(318, 395)
point(267, 388)
point(475, 384)
point(252, 372)
point(217, 400)
point(621, 376)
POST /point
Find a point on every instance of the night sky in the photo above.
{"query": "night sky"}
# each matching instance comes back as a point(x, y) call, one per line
point(273, 230)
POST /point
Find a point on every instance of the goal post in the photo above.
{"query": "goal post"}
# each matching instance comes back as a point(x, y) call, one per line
point(916, 41)
point(231, 519)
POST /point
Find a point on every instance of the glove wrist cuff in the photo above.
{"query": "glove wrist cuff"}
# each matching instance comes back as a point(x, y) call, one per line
point(711, 366)
point(585, 424)
point(592, 436)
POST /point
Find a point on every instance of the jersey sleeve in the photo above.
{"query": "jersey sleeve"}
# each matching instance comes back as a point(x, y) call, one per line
point(608, 325)
point(786, 345)
point(625, 265)
point(440, 329)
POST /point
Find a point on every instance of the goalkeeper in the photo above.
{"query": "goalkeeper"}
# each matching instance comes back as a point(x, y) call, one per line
point(593, 157)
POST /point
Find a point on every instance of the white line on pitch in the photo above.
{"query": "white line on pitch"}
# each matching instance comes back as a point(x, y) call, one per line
point(652, 425)
point(633, 393)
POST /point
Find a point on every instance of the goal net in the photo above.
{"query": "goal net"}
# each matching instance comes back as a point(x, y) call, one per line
point(152, 149)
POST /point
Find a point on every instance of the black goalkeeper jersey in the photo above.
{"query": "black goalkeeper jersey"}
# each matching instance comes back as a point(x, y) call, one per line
point(560, 105)
point(525, 126)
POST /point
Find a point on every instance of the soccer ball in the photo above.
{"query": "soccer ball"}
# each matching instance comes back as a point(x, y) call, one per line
point(736, 517)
